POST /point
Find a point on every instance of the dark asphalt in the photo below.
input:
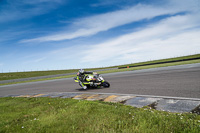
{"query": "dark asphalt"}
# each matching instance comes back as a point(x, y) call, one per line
point(175, 81)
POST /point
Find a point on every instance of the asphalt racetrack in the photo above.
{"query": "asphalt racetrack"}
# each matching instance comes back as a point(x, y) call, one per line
point(175, 81)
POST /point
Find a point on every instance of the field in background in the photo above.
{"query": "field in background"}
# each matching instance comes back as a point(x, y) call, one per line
point(135, 66)
point(18, 75)
point(151, 66)
point(164, 61)
point(68, 115)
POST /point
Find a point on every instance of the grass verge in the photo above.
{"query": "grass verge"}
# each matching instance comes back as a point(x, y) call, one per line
point(36, 80)
point(178, 59)
point(151, 66)
point(68, 115)
point(112, 71)
point(18, 75)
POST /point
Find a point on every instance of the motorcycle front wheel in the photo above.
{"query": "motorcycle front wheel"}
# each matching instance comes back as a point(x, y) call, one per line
point(106, 84)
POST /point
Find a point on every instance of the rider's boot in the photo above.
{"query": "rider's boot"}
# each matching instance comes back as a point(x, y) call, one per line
point(83, 86)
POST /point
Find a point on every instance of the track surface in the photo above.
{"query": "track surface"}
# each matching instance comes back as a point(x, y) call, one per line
point(175, 81)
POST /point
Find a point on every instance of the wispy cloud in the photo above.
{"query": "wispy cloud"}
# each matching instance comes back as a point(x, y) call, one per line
point(17, 9)
point(91, 25)
point(174, 32)
point(38, 60)
point(174, 36)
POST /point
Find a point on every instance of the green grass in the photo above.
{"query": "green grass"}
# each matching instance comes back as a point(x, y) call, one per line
point(163, 60)
point(74, 116)
point(151, 66)
point(112, 71)
point(18, 75)
point(36, 80)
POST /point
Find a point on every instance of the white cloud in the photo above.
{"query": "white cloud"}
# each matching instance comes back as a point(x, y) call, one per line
point(38, 60)
point(17, 9)
point(94, 24)
point(174, 36)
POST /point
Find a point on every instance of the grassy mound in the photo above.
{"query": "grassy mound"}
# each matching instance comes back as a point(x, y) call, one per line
point(164, 61)
point(68, 115)
point(136, 66)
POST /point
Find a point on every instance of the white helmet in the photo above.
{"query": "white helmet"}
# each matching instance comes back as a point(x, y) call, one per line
point(81, 71)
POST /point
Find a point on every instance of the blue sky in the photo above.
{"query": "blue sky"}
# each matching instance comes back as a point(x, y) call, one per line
point(67, 34)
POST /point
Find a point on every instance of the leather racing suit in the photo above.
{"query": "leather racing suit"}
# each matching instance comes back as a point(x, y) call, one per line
point(82, 78)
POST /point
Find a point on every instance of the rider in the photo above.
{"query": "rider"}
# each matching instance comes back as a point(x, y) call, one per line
point(82, 77)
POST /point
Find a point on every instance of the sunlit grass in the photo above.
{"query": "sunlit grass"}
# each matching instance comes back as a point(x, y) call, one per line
point(178, 59)
point(112, 71)
point(36, 80)
point(18, 75)
point(68, 115)
point(151, 66)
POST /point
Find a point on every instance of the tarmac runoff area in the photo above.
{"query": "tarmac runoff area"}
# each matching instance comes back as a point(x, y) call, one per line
point(169, 104)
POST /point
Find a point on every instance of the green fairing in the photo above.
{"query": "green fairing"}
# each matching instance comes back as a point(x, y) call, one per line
point(83, 84)
point(90, 83)
point(86, 83)
point(88, 75)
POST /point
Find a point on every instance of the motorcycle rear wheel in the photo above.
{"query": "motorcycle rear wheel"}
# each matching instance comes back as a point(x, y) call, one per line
point(106, 84)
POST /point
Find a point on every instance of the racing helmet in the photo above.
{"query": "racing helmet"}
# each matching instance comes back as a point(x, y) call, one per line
point(81, 71)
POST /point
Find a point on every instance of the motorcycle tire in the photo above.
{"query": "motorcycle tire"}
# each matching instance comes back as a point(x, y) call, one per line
point(88, 86)
point(106, 84)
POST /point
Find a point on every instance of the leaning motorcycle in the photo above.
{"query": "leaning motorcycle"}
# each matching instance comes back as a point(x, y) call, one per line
point(93, 81)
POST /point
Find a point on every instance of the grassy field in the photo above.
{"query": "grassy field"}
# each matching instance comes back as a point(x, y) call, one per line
point(163, 60)
point(74, 116)
point(35, 80)
point(151, 66)
point(112, 71)
point(18, 75)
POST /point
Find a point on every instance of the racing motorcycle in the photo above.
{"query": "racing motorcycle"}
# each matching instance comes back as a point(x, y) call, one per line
point(93, 81)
